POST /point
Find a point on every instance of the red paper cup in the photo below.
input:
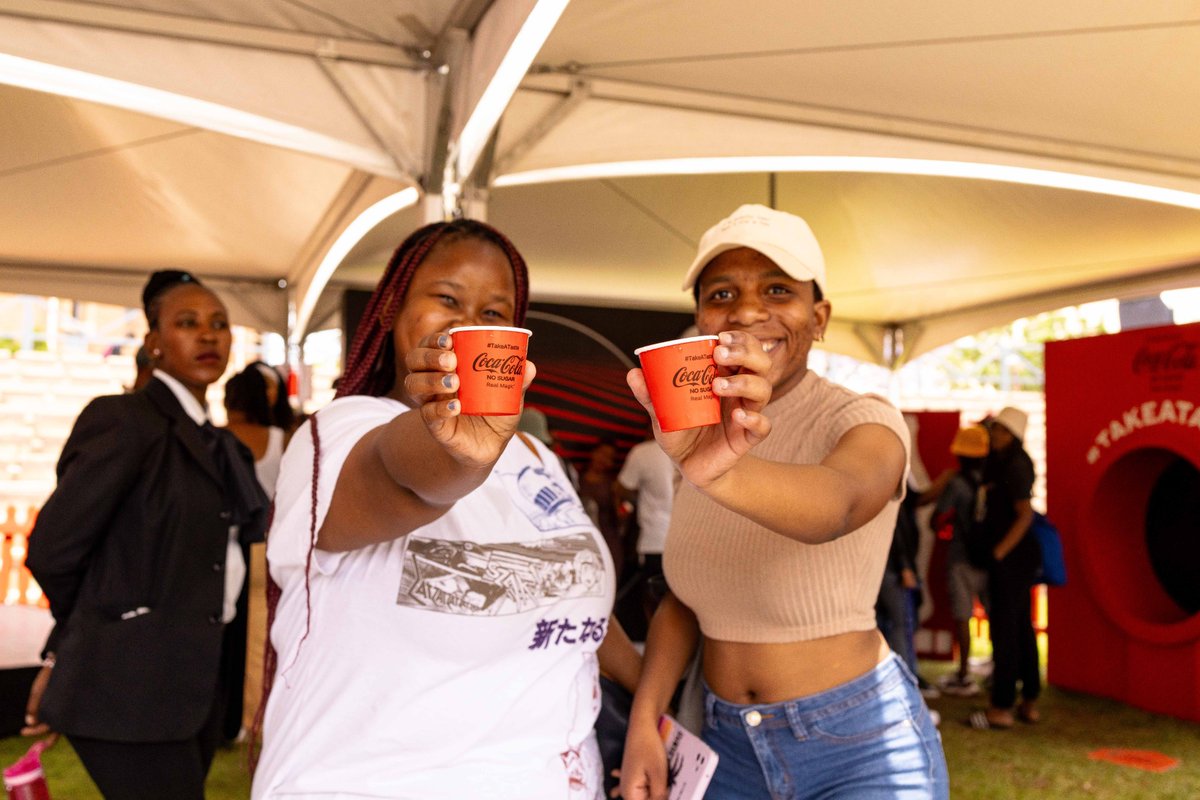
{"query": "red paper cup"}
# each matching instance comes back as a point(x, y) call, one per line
point(491, 368)
point(25, 779)
point(679, 375)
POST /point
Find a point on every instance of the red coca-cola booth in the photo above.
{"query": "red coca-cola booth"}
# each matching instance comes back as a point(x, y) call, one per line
point(1123, 486)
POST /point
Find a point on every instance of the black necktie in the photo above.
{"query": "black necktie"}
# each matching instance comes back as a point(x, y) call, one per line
point(248, 502)
point(212, 440)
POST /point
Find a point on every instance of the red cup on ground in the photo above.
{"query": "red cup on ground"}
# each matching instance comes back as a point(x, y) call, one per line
point(679, 375)
point(25, 779)
point(491, 368)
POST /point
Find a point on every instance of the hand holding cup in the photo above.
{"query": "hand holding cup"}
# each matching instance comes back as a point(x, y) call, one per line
point(704, 454)
point(472, 427)
point(491, 365)
point(679, 376)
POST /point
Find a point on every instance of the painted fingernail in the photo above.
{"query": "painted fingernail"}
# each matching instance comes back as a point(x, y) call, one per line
point(453, 406)
point(443, 341)
point(720, 384)
point(722, 352)
point(725, 338)
point(448, 382)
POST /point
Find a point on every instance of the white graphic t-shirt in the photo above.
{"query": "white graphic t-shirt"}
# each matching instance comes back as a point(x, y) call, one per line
point(456, 662)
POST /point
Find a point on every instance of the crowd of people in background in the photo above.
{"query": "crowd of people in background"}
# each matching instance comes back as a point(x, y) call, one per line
point(982, 510)
point(420, 622)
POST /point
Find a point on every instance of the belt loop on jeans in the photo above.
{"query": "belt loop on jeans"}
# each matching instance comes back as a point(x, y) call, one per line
point(796, 721)
point(710, 703)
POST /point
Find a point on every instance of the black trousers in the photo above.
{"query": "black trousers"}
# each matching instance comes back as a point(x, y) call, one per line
point(1010, 618)
point(154, 770)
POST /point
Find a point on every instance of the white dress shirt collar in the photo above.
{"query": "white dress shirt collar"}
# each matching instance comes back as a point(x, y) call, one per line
point(191, 405)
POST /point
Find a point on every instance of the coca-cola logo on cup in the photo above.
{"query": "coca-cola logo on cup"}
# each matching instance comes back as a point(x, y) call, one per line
point(1170, 356)
point(499, 365)
point(686, 376)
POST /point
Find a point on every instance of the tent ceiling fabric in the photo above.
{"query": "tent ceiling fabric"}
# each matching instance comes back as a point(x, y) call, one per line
point(1074, 79)
point(91, 189)
point(336, 104)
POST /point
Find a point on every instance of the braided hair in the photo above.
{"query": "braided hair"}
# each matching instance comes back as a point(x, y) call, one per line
point(371, 370)
point(371, 363)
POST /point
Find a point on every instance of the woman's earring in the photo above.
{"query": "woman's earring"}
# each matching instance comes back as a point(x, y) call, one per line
point(156, 353)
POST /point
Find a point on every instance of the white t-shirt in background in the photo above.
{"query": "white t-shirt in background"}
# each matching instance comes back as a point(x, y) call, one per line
point(456, 662)
point(266, 469)
point(650, 472)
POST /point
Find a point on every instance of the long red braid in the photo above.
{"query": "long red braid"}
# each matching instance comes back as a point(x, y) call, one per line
point(371, 370)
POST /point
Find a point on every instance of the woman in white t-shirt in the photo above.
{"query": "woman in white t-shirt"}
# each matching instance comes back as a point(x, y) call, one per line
point(444, 598)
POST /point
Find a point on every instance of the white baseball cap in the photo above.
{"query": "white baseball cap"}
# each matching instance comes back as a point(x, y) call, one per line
point(782, 237)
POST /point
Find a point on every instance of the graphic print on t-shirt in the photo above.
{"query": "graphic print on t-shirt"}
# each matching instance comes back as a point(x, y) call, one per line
point(467, 578)
point(549, 503)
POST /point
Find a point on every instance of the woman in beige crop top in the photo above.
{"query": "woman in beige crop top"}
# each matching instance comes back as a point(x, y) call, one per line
point(777, 545)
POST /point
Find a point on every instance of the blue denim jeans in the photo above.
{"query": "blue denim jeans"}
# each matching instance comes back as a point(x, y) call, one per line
point(868, 738)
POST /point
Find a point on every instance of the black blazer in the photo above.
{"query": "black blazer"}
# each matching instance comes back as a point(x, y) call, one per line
point(130, 551)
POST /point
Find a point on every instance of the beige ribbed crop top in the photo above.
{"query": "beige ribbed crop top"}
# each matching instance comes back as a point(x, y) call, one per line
point(748, 584)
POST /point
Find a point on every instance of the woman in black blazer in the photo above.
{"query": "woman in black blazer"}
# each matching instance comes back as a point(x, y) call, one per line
point(139, 551)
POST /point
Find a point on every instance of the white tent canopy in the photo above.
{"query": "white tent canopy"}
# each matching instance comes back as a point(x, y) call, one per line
point(962, 164)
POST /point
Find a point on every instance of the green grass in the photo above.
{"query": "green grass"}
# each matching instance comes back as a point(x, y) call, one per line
point(1048, 760)
point(67, 779)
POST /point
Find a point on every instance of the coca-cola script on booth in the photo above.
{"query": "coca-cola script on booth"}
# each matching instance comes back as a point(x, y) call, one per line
point(679, 375)
point(491, 368)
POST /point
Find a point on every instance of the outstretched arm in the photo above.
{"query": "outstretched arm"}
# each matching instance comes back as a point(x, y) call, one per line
point(938, 486)
point(811, 503)
point(817, 503)
point(410, 471)
point(707, 453)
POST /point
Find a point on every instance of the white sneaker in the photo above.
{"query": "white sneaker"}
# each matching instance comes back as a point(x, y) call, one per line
point(960, 687)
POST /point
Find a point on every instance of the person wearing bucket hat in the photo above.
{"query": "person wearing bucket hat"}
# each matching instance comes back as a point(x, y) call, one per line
point(1012, 421)
point(778, 538)
point(440, 602)
point(955, 508)
point(1012, 568)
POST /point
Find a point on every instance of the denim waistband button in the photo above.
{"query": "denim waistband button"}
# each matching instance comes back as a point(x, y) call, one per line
point(753, 718)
